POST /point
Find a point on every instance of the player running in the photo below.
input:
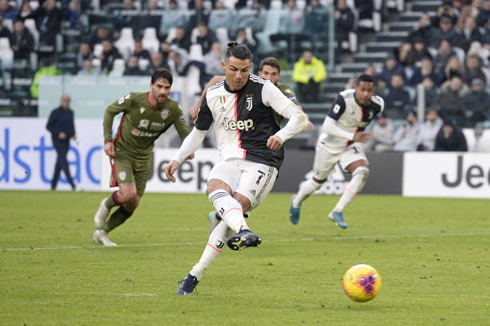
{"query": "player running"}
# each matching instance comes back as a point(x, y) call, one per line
point(343, 127)
point(251, 147)
point(146, 115)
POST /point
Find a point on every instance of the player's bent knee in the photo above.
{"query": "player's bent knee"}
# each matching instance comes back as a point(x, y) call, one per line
point(361, 171)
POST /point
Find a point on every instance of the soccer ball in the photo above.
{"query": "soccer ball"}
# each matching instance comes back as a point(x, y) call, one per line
point(362, 283)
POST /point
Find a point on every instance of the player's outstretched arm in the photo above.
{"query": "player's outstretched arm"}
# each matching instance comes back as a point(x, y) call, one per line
point(195, 108)
point(170, 170)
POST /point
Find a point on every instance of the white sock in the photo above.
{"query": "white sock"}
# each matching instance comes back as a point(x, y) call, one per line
point(355, 186)
point(229, 208)
point(309, 187)
point(214, 247)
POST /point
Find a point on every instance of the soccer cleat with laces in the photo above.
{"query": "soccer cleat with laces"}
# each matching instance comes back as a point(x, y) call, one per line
point(100, 237)
point(243, 239)
point(338, 218)
point(187, 285)
point(213, 221)
point(101, 215)
point(294, 212)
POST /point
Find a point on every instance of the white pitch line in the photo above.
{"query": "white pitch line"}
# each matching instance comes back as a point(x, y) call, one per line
point(380, 237)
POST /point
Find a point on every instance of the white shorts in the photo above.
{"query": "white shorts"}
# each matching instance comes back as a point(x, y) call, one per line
point(325, 159)
point(252, 180)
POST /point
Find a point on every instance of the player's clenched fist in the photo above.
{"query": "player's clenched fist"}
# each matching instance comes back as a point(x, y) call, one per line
point(274, 143)
point(170, 170)
point(109, 148)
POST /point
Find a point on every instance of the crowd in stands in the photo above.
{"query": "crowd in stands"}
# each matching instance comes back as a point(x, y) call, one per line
point(448, 53)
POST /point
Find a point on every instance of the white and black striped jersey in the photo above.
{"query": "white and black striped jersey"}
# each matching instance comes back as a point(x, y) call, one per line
point(350, 116)
point(244, 119)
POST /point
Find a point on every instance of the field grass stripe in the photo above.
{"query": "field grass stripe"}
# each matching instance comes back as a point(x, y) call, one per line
point(380, 237)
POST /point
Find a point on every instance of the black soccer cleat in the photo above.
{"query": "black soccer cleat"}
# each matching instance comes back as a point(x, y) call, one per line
point(243, 239)
point(187, 285)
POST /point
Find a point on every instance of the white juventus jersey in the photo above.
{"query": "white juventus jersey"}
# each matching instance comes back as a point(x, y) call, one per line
point(244, 119)
point(350, 116)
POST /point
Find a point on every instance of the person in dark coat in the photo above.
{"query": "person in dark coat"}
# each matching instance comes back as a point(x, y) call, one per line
point(450, 138)
point(61, 125)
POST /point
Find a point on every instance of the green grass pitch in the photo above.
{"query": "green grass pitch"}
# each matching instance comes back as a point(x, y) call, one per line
point(432, 254)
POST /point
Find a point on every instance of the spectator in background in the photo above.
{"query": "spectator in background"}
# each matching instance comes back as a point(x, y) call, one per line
point(72, 14)
point(88, 69)
point(418, 52)
point(221, 17)
point(153, 16)
point(242, 38)
point(199, 15)
point(132, 67)
point(172, 18)
point(472, 10)
point(291, 26)
point(445, 10)
point(428, 131)
point(309, 72)
point(205, 37)
point(84, 53)
point(468, 34)
point(213, 59)
point(25, 11)
point(61, 125)
point(425, 70)
point(46, 68)
point(484, 14)
point(449, 102)
point(48, 22)
point(344, 23)
point(444, 53)
point(382, 133)
point(365, 8)
point(397, 99)
point(453, 68)
point(476, 105)
point(7, 11)
point(22, 41)
point(390, 68)
point(109, 54)
point(101, 33)
point(4, 31)
point(316, 18)
point(445, 31)
point(450, 138)
point(406, 136)
point(139, 51)
point(157, 61)
point(423, 29)
point(473, 70)
point(181, 39)
point(165, 49)
point(402, 54)
point(430, 91)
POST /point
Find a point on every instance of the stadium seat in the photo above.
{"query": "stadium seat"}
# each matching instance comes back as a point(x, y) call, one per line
point(8, 23)
point(125, 43)
point(118, 68)
point(30, 24)
point(222, 35)
point(469, 134)
point(98, 49)
point(4, 43)
point(483, 143)
point(96, 63)
point(6, 55)
point(143, 64)
point(34, 5)
point(171, 35)
point(195, 53)
point(150, 41)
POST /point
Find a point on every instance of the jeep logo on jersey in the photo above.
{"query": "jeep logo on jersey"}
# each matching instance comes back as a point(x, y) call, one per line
point(144, 123)
point(238, 125)
point(250, 103)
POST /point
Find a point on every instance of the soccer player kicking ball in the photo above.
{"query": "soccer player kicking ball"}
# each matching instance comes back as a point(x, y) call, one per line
point(251, 147)
point(146, 115)
point(342, 129)
point(270, 69)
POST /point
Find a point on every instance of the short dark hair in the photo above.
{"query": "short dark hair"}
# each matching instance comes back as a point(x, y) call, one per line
point(365, 78)
point(161, 73)
point(238, 51)
point(270, 61)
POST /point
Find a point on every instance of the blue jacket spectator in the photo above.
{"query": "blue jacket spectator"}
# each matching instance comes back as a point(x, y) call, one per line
point(426, 70)
point(7, 11)
point(172, 18)
point(390, 68)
